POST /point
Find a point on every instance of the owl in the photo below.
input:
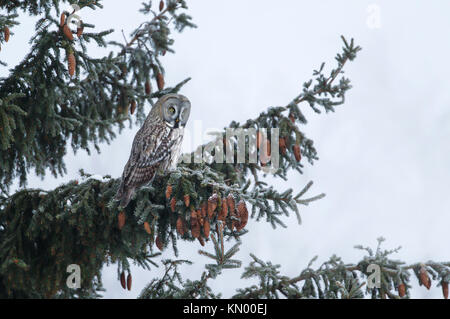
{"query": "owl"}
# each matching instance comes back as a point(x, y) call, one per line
point(157, 145)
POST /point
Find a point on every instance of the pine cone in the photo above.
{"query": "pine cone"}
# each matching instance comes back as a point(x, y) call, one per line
point(67, 32)
point(71, 64)
point(133, 106)
point(212, 205)
point(230, 202)
point(168, 191)
point(224, 211)
point(129, 281)
point(180, 226)
point(6, 33)
point(259, 139)
point(148, 87)
point(206, 228)
point(265, 154)
point(159, 243)
point(297, 154)
point(80, 30)
point(161, 5)
point(268, 150)
point(121, 219)
point(282, 143)
point(62, 19)
point(202, 242)
point(402, 290)
point(160, 81)
point(225, 144)
point(242, 215)
point(147, 228)
point(122, 280)
point(187, 200)
point(445, 289)
point(195, 225)
point(204, 210)
point(173, 203)
point(424, 278)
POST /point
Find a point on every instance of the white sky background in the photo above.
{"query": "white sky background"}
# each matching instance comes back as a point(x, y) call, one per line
point(383, 155)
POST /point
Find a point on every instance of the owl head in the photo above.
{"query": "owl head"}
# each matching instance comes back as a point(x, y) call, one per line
point(173, 109)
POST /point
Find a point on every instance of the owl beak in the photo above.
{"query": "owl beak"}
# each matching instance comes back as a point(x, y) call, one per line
point(177, 123)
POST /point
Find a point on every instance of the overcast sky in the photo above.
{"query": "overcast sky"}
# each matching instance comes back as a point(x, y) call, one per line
point(383, 155)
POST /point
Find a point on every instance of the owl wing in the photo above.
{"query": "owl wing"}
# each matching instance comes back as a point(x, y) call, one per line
point(148, 151)
point(151, 147)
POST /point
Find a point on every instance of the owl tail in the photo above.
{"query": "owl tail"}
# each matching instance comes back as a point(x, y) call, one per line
point(124, 195)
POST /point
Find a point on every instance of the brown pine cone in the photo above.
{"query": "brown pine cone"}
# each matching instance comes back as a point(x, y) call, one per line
point(202, 242)
point(122, 280)
point(160, 81)
point(6, 33)
point(159, 243)
point(242, 215)
point(121, 219)
point(282, 143)
point(402, 290)
point(133, 106)
point(67, 32)
point(173, 203)
point(206, 228)
point(224, 211)
point(268, 150)
point(424, 278)
point(259, 139)
point(230, 202)
point(264, 155)
point(62, 19)
point(445, 289)
point(71, 64)
point(161, 5)
point(204, 210)
point(297, 154)
point(212, 205)
point(147, 228)
point(168, 191)
point(180, 226)
point(187, 200)
point(195, 225)
point(80, 30)
point(129, 280)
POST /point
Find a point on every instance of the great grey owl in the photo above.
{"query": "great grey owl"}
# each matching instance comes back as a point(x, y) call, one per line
point(156, 146)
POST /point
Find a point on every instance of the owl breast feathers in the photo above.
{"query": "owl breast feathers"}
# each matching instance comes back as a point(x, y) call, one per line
point(156, 146)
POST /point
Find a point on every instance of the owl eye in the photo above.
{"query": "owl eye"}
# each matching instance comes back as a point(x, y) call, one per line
point(171, 110)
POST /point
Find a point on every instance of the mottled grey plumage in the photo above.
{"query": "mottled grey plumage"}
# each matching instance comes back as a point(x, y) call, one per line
point(156, 146)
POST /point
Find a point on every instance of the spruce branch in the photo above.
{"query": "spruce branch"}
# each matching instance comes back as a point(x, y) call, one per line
point(198, 288)
point(84, 108)
point(336, 279)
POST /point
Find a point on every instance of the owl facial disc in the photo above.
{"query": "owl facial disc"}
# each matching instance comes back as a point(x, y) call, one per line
point(175, 109)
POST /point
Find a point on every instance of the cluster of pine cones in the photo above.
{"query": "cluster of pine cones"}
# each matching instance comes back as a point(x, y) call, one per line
point(213, 210)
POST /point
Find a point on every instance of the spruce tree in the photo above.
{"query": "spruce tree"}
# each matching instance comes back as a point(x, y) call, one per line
point(59, 93)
